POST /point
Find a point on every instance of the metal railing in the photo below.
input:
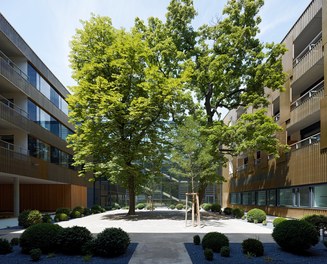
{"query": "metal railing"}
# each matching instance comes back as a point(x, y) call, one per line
point(312, 93)
point(306, 142)
point(308, 48)
point(13, 106)
point(13, 65)
point(14, 148)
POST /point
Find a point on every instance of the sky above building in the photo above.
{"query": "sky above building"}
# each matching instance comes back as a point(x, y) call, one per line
point(48, 25)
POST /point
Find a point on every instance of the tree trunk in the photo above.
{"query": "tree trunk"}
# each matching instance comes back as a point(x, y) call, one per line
point(202, 189)
point(131, 193)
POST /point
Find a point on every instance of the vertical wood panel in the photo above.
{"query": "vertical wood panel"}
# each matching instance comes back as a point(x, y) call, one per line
point(6, 197)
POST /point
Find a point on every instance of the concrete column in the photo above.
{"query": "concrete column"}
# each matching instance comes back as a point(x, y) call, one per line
point(16, 196)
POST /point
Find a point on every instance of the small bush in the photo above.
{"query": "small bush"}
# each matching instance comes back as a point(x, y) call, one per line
point(214, 241)
point(14, 241)
point(116, 206)
point(63, 211)
point(87, 211)
point(42, 236)
point(35, 254)
point(111, 242)
point(256, 214)
point(140, 206)
point(238, 213)
point(150, 207)
point(70, 240)
point(29, 217)
point(319, 221)
point(278, 220)
point(253, 247)
point(208, 254)
point(179, 206)
point(77, 212)
point(5, 246)
point(225, 251)
point(172, 206)
point(88, 248)
point(228, 211)
point(295, 235)
point(206, 206)
point(196, 240)
point(61, 217)
point(264, 222)
point(46, 218)
point(96, 209)
point(216, 208)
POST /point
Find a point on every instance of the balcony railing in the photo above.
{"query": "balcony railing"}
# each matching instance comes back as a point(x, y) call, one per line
point(13, 65)
point(306, 142)
point(12, 147)
point(315, 91)
point(13, 106)
point(308, 48)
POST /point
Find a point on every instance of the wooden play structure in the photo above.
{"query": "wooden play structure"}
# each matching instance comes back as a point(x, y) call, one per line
point(195, 201)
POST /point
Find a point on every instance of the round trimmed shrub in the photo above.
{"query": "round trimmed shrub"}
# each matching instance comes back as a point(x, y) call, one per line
point(5, 246)
point(61, 217)
point(115, 206)
point(111, 242)
point(228, 211)
point(140, 206)
point(35, 254)
point(46, 218)
point(70, 240)
point(208, 254)
point(278, 220)
point(214, 241)
point(179, 206)
point(295, 235)
point(319, 221)
point(206, 206)
point(29, 217)
point(256, 214)
point(196, 240)
point(225, 251)
point(252, 246)
point(87, 211)
point(63, 210)
point(75, 214)
point(216, 208)
point(42, 236)
point(96, 209)
point(172, 206)
point(238, 213)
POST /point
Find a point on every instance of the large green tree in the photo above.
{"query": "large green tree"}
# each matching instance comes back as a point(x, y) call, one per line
point(121, 104)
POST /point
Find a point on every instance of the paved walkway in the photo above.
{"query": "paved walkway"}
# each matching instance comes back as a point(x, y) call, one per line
point(161, 234)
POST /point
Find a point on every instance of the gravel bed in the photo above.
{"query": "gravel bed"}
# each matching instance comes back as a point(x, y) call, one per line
point(273, 254)
point(16, 257)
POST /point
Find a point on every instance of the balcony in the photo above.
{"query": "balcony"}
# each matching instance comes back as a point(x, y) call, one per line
point(307, 105)
point(307, 59)
point(306, 142)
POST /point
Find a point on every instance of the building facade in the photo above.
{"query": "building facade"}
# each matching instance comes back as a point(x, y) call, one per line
point(296, 183)
point(35, 163)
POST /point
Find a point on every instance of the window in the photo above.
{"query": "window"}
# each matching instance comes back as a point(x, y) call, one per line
point(272, 201)
point(286, 197)
point(248, 198)
point(32, 75)
point(320, 196)
point(235, 198)
point(261, 197)
point(303, 197)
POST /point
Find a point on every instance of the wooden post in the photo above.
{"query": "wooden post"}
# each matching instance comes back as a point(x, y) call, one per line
point(195, 196)
point(186, 211)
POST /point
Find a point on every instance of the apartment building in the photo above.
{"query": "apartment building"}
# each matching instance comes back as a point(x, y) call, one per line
point(36, 169)
point(296, 183)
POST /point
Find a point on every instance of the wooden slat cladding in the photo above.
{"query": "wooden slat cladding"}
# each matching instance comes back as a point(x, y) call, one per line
point(304, 166)
point(43, 197)
point(309, 107)
point(6, 197)
point(307, 16)
point(308, 61)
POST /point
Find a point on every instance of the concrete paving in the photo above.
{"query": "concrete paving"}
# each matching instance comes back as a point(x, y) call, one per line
point(161, 234)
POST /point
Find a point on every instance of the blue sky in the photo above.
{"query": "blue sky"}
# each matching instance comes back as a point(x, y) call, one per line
point(48, 25)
